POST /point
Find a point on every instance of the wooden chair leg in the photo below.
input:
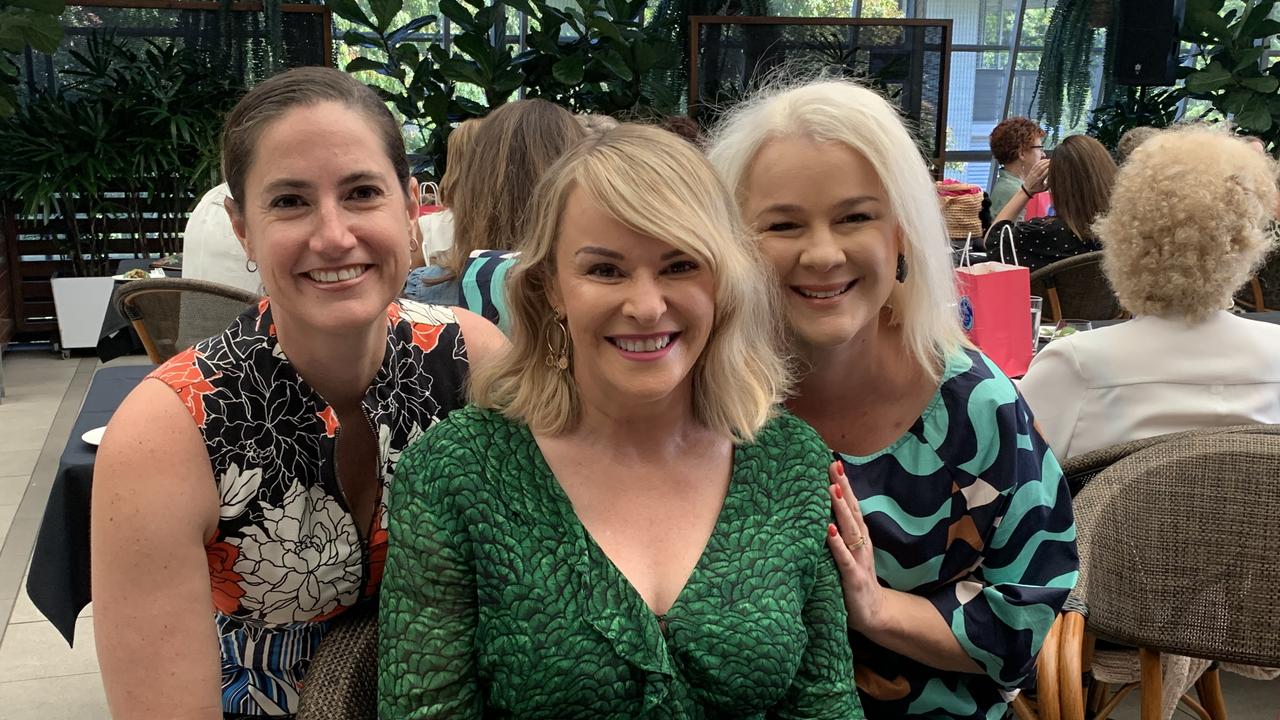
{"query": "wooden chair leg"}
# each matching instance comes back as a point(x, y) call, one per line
point(1048, 674)
point(1149, 660)
point(147, 343)
point(1055, 305)
point(1256, 288)
point(1070, 666)
point(1098, 692)
point(1209, 690)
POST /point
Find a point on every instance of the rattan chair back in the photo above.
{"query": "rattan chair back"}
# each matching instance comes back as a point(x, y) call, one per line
point(1076, 288)
point(172, 314)
point(342, 681)
point(1178, 546)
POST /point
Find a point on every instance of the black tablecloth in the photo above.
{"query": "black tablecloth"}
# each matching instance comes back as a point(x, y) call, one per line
point(59, 579)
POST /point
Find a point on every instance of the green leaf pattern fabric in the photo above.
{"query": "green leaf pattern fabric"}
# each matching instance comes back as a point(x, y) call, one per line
point(497, 603)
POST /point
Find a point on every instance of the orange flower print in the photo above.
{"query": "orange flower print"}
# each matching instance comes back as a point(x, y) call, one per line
point(182, 374)
point(330, 419)
point(393, 313)
point(426, 336)
point(223, 579)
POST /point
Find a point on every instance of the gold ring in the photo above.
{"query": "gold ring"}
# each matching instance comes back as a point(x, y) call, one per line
point(861, 541)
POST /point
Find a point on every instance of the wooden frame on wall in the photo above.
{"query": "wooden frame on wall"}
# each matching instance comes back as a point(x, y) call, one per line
point(937, 152)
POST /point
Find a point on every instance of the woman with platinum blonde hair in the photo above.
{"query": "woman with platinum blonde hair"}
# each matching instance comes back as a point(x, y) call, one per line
point(622, 524)
point(932, 442)
point(1187, 227)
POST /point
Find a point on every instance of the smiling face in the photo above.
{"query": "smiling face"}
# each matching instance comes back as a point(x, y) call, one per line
point(638, 310)
point(326, 219)
point(825, 223)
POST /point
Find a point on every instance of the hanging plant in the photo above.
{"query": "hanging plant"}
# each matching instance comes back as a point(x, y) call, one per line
point(1062, 85)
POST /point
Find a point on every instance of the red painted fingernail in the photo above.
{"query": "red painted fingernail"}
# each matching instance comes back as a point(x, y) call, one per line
point(831, 530)
point(839, 493)
point(840, 469)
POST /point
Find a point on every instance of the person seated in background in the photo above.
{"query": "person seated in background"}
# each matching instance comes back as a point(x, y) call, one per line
point(942, 486)
point(511, 149)
point(1017, 144)
point(240, 494)
point(622, 525)
point(1080, 174)
point(210, 250)
point(1131, 139)
point(435, 229)
point(1188, 225)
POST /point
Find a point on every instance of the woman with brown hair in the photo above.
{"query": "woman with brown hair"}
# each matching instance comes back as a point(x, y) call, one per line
point(1081, 175)
point(512, 148)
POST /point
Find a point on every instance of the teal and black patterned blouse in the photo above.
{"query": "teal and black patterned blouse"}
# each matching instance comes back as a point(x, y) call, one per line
point(497, 603)
point(969, 510)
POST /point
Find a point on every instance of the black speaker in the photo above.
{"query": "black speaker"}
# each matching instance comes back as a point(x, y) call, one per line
point(1147, 41)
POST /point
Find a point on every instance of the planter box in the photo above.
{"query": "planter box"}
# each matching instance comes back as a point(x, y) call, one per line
point(81, 303)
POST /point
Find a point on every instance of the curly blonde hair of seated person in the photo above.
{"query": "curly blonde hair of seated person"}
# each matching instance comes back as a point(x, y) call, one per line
point(842, 111)
point(660, 186)
point(1188, 222)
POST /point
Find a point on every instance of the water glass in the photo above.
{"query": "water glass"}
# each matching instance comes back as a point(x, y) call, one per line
point(1037, 304)
point(1074, 325)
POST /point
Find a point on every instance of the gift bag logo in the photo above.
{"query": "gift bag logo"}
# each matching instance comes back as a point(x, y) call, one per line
point(966, 313)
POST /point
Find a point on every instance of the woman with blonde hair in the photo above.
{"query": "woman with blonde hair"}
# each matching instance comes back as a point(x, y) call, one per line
point(427, 282)
point(622, 524)
point(942, 486)
point(1080, 174)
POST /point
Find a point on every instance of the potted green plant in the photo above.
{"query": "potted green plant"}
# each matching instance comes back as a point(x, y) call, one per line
point(109, 163)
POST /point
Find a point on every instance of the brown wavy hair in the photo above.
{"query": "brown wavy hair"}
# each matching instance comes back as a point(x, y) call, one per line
point(1080, 177)
point(1012, 137)
point(513, 147)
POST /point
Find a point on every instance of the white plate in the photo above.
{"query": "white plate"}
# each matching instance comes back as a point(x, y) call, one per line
point(94, 436)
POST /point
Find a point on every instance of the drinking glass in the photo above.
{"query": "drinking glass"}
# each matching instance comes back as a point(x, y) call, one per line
point(1037, 304)
point(1076, 325)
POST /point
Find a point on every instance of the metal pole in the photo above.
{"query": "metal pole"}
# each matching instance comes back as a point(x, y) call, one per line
point(1008, 81)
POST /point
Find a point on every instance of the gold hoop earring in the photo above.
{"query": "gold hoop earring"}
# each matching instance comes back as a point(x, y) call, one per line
point(558, 358)
point(413, 244)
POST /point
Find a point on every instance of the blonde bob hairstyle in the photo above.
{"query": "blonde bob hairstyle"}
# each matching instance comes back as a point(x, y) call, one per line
point(660, 186)
point(1188, 222)
point(840, 111)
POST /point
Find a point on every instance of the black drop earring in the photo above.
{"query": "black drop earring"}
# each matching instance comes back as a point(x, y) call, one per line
point(902, 268)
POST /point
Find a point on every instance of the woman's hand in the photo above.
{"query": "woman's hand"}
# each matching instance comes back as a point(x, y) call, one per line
point(1037, 180)
point(851, 546)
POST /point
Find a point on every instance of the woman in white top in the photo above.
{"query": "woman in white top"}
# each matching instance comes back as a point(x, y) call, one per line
point(1187, 226)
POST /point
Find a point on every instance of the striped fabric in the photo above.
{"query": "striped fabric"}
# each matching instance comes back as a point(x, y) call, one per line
point(483, 285)
point(969, 510)
point(262, 671)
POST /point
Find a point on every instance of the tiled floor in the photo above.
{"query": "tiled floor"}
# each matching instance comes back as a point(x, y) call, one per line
point(40, 677)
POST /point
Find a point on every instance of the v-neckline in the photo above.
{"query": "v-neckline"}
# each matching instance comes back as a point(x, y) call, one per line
point(584, 536)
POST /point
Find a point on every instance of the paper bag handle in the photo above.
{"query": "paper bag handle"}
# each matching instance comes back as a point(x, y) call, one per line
point(1013, 248)
point(964, 255)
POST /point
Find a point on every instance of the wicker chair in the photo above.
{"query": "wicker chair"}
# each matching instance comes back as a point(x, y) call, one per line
point(1076, 288)
point(172, 314)
point(1163, 570)
point(342, 681)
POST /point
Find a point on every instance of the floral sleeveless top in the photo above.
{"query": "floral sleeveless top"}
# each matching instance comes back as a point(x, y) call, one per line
point(287, 556)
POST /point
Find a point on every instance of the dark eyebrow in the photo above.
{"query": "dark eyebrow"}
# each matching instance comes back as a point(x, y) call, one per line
point(672, 254)
point(300, 184)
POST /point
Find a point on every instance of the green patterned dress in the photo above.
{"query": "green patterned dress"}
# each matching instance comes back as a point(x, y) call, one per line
point(497, 603)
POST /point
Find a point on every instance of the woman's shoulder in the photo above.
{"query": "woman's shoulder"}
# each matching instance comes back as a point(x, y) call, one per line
point(786, 435)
